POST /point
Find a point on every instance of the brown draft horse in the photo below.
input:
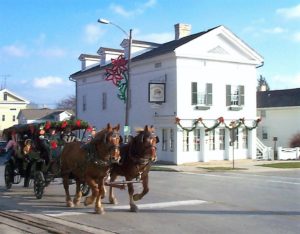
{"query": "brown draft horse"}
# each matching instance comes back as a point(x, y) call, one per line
point(139, 154)
point(90, 168)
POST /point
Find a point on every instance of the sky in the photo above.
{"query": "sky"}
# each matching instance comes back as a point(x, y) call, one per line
point(41, 40)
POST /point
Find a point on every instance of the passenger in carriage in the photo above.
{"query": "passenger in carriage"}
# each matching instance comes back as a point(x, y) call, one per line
point(50, 145)
point(68, 135)
point(10, 147)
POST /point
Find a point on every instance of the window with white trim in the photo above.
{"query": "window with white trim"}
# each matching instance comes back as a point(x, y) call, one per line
point(222, 139)
point(211, 140)
point(171, 139)
point(236, 138)
point(264, 133)
point(235, 95)
point(197, 139)
point(245, 138)
point(186, 141)
point(201, 93)
point(164, 139)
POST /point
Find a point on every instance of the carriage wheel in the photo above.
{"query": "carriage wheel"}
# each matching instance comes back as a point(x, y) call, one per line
point(85, 189)
point(39, 184)
point(8, 176)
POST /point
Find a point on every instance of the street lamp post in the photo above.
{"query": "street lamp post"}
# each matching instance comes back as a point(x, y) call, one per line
point(129, 36)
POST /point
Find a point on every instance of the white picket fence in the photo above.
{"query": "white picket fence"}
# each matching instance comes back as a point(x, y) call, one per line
point(288, 153)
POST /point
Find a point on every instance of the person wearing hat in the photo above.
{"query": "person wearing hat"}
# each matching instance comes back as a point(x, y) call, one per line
point(89, 146)
point(92, 135)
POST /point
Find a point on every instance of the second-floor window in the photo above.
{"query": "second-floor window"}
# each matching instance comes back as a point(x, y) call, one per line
point(84, 103)
point(5, 96)
point(201, 94)
point(14, 118)
point(3, 117)
point(235, 95)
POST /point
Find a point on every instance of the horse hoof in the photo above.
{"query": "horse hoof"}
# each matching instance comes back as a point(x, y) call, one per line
point(88, 201)
point(134, 208)
point(136, 197)
point(113, 201)
point(76, 202)
point(70, 204)
point(99, 210)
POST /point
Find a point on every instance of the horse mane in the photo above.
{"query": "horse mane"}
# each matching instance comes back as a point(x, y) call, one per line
point(102, 133)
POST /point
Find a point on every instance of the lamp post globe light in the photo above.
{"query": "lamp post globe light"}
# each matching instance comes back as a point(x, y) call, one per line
point(127, 103)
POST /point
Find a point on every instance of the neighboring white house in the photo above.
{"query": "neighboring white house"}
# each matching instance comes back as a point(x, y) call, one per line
point(280, 113)
point(10, 105)
point(42, 115)
point(206, 75)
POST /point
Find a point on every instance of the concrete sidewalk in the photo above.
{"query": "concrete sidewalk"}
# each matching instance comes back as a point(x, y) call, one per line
point(244, 165)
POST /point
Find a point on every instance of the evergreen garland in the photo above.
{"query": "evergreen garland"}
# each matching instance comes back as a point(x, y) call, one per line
point(234, 124)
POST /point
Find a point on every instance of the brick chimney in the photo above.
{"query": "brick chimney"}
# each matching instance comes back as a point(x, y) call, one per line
point(182, 30)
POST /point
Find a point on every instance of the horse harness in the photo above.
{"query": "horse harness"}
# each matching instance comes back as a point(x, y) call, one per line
point(142, 163)
point(92, 152)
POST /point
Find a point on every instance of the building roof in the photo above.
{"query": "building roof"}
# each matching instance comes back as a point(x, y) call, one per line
point(45, 113)
point(160, 50)
point(278, 98)
point(16, 97)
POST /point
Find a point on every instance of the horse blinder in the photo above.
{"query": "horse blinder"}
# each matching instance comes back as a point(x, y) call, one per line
point(114, 140)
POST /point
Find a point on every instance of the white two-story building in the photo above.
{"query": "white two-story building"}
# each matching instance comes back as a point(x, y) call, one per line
point(207, 75)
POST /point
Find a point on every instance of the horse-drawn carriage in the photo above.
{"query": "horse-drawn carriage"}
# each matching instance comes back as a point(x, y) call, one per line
point(19, 162)
point(36, 152)
point(89, 165)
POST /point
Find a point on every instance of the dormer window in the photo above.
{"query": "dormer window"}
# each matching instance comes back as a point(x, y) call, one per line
point(201, 95)
point(235, 96)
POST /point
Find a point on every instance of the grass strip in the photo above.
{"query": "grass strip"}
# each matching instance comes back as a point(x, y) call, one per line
point(285, 165)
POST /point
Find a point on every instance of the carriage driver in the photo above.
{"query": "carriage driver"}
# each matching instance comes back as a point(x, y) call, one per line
point(90, 148)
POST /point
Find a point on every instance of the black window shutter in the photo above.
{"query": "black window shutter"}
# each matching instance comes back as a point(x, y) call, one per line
point(228, 95)
point(242, 95)
point(194, 93)
point(209, 94)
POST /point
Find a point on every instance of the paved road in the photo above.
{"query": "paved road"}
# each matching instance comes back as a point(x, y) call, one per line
point(181, 202)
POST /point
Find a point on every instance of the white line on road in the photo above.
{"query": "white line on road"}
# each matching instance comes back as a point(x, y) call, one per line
point(141, 206)
point(163, 204)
